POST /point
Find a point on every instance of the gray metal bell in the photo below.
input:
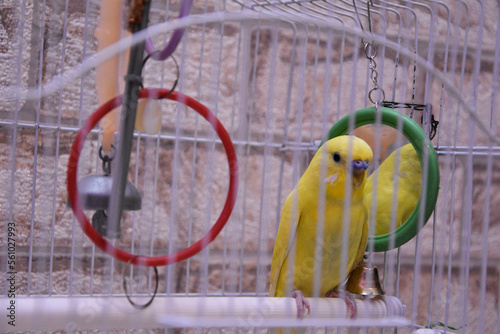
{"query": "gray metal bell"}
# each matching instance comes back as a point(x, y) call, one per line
point(95, 190)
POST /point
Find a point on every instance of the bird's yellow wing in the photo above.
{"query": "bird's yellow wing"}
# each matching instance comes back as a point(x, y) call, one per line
point(287, 232)
point(362, 244)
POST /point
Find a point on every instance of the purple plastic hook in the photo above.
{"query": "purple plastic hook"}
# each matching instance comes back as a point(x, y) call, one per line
point(174, 40)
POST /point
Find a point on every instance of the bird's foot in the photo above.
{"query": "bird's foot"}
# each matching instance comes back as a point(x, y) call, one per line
point(349, 299)
point(302, 304)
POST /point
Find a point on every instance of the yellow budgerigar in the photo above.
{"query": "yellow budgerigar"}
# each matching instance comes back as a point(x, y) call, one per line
point(408, 178)
point(338, 168)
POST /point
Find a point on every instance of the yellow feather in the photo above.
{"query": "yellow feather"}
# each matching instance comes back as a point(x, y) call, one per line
point(321, 189)
point(408, 188)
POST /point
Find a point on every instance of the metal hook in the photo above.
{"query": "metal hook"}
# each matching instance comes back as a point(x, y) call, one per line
point(176, 77)
point(124, 284)
point(368, 4)
point(357, 14)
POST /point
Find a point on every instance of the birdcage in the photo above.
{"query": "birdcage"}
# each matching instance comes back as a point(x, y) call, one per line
point(143, 189)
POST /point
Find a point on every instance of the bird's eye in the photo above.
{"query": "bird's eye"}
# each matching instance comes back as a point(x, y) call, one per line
point(336, 157)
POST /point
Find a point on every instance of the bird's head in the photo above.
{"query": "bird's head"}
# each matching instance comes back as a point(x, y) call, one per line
point(344, 155)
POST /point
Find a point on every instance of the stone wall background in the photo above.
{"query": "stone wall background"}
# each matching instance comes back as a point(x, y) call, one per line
point(275, 116)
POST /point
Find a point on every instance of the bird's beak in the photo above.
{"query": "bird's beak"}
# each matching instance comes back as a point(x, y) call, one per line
point(358, 171)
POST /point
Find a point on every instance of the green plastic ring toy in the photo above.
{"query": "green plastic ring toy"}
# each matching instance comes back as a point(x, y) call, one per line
point(414, 133)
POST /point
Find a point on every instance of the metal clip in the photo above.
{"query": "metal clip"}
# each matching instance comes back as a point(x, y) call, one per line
point(106, 161)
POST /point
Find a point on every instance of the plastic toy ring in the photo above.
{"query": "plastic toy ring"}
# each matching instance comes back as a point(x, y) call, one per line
point(428, 196)
point(74, 199)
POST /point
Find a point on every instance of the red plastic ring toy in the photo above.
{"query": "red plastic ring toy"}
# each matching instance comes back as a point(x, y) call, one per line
point(72, 186)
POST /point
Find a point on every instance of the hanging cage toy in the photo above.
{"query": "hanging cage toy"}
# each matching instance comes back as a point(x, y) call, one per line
point(73, 190)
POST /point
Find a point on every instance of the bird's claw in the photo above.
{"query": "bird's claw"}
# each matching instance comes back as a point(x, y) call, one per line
point(302, 304)
point(349, 299)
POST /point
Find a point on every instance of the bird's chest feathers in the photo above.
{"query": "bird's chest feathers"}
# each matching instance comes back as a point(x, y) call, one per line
point(330, 234)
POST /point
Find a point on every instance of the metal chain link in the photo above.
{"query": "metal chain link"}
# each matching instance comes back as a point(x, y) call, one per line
point(106, 161)
point(371, 54)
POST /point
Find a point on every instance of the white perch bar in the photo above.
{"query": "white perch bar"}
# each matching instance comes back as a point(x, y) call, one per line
point(85, 313)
